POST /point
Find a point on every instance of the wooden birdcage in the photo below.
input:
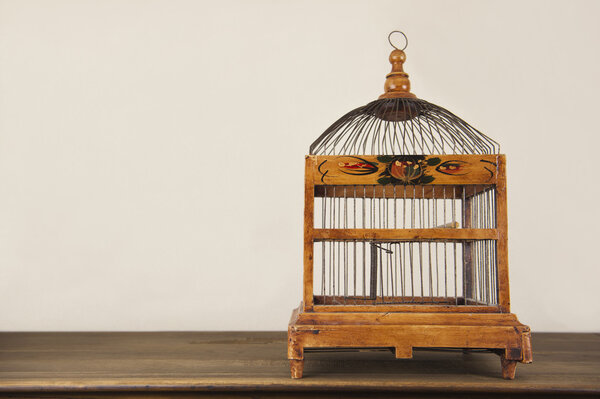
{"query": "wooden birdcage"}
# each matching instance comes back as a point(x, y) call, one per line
point(405, 235)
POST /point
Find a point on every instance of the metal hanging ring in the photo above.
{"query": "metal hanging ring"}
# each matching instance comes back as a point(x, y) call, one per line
point(392, 44)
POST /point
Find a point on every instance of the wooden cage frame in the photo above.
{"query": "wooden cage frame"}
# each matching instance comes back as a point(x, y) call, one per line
point(407, 326)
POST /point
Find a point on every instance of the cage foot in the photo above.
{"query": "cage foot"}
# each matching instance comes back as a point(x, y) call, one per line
point(403, 352)
point(509, 368)
point(296, 367)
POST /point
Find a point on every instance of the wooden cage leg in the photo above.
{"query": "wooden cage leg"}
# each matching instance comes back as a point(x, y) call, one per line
point(509, 368)
point(404, 352)
point(296, 367)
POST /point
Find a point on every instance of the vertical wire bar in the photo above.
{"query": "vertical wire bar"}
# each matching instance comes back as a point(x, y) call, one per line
point(495, 211)
point(381, 274)
point(437, 270)
point(382, 201)
point(464, 246)
point(490, 208)
point(474, 216)
point(421, 268)
point(373, 206)
point(412, 209)
point(430, 271)
point(491, 271)
point(404, 208)
point(482, 266)
point(395, 208)
point(345, 245)
point(393, 269)
point(379, 208)
point(333, 245)
point(422, 207)
point(445, 270)
point(487, 271)
point(445, 247)
point(427, 202)
point(444, 201)
point(364, 244)
point(475, 293)
point(463, 207)
point(333, 209)
point(455, 263)
point(322, 273)
point(483, 273)
point(396, 257)
point(333, 267)
point(324, 208)
point(476, 266)
point(494, 274)
point(329, 271)
point(491, 261)
point(473, 207)
point(480, 208)
point(453, 205)
point(412, 280)
point(482, 244)
point(339, 266)
point(478, 294)
point(402, 249)
point(373, 276)
point(436, 223)
point(391, 266)
point(324, 217)
point(354, 241)
point(482, 270)
point(488, 261)
point(455, 276)
point(495, 259)
point(488, 222)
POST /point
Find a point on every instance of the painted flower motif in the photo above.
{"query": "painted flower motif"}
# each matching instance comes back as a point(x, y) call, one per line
point(406, 169)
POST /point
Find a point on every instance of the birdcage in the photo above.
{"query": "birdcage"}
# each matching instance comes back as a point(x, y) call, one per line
point(405, 235)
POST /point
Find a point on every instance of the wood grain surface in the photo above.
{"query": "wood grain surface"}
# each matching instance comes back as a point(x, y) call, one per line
point(254, 364)
point(369, 169)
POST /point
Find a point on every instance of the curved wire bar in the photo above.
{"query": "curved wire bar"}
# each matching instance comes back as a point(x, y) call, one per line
point(402, 126)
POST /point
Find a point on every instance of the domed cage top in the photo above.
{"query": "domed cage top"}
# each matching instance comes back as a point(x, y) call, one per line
point(402, 126)
point(405, 229)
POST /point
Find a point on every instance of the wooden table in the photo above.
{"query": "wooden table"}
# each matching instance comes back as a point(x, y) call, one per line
point(254, 364)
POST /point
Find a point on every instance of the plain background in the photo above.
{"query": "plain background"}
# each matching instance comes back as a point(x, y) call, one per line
point(151, 152)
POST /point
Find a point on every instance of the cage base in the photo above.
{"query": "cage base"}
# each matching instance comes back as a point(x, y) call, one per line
point(403, 331)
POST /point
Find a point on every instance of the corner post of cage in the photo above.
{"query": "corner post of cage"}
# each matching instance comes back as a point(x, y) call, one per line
point(468, 278)
point(309, 223)
point(502, 242)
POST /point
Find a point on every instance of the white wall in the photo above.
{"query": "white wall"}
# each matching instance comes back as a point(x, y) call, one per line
point(137, 140)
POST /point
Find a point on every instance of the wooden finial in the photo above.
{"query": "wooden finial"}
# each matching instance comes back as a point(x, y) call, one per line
point(396, 82)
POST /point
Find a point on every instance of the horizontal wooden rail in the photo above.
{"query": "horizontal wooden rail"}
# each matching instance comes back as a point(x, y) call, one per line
point(394, 300)
point(418, 169)
point(404, 234)
point(407, 308)
point(408, 192)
